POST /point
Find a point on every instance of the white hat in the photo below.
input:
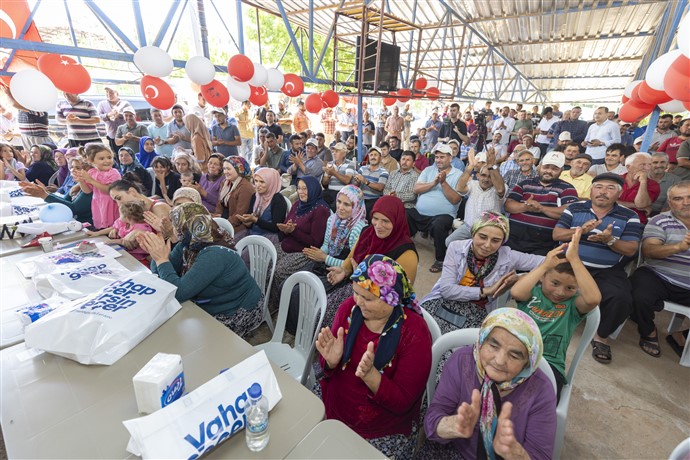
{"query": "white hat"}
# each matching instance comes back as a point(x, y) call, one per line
point(219, 110)
point(639, 140)
point(554, 158)
point(565, 136)
point(311, 141)
point(480, 157)
point(443, 148)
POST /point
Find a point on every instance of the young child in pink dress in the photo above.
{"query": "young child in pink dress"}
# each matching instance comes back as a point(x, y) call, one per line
point(131, 220)
point(97, 179)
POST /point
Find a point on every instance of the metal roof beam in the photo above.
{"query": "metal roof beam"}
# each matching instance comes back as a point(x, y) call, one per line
point(575, 9)
point(580, 77)
point(110, 24)
point(166, 23)
point(293, 38)
point(572, 61)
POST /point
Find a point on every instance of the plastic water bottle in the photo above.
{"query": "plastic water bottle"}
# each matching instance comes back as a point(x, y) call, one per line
point(257, 419)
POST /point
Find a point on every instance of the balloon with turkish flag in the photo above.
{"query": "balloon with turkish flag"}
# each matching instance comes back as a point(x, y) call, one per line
point(241, 68)
point(420, 83)
point(215, 93)
point(258, 96)
point(330, 98)
point(293, 85)
point(433, 93)
point(677, 79)
point(404, 94)
point(313, 103)
point(632, 111)
point(649, 95)
point(157, 92)
point(66, 74)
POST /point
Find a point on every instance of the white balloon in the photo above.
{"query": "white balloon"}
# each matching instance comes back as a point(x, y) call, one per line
point(683, 37)
point(260, 75)
point(200, 70)
point(672, 107)
point(274, 79)
point(657, 69)
point(152, 60)
point(33, 90)
point(239, 91)
point(628, 89)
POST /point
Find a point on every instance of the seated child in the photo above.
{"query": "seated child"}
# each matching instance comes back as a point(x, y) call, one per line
point(131, 220)
point(549, 294)
point(187, 179)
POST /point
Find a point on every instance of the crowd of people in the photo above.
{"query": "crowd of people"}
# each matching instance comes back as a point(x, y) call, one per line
point(542, 204)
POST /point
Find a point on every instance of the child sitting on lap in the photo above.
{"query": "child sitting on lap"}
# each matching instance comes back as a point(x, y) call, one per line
point(549, 294)
point(131, 220)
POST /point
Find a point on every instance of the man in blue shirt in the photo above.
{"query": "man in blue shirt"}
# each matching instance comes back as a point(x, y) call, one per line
point(437, 202)
point(224, 136)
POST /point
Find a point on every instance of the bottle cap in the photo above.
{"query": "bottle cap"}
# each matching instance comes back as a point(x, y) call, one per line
point(255, 391)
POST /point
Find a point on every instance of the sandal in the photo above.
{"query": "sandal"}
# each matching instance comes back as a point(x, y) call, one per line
point(675, 346)
point(436, 267)
point(650, 345)
point(601, 352)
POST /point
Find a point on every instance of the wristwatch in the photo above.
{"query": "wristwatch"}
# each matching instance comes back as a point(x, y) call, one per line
point(612, 240)
point(494, 167)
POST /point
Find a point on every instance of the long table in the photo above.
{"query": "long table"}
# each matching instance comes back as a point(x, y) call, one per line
point(53, 407)
point(332, 439)
point(9, 247)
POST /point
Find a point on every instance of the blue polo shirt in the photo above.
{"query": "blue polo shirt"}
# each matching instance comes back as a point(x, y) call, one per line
point(229, 133)
point(434, 202)
point(626, 226)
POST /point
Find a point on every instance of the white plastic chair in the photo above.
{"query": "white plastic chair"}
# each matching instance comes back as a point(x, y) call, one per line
point(676, 322)
point(312, 307)
point(432, 325)
point(53, 179)
point(262, 265)
point(225, 225)
point(289, 204)
point(682, 450)
point(447, 342)
point(591, 325)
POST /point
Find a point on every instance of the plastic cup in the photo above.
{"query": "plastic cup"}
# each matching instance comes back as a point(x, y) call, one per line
point(46, 243)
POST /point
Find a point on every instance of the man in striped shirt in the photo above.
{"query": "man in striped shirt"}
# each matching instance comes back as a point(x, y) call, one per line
point(610, 238)
point(535, 205)
point(665, 275)
point(81, 118)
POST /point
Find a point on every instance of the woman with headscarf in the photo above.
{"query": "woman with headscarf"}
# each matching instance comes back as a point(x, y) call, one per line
point(236, 192)
point(69, 182)
point(210, 183)
point(492, 400)
point(475, 273)
point(206, 269)
point(376, 358)
point(63, 167)
point(42, 166)
point(200, 139)
point(147, 151)
point(186, 195)
point(388, 234)
point(132, 169)
point(267, 208)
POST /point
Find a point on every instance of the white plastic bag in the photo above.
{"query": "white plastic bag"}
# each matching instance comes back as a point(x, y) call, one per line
point(102, 327)
point(201, 420)
point(77, 280)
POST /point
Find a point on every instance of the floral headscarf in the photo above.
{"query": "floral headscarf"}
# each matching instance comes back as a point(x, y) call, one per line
point(492, 219)
point(197, 230)
point(341, 228)
point(386, 279)
point(520, 325)
point(240, 165)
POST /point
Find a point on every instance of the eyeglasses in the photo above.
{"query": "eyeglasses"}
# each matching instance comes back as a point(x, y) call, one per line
point(302, 189)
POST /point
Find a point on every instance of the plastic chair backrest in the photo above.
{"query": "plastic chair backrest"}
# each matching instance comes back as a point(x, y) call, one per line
point(53, 179)
point(447, 342)
point(431, 323)
point(312, 308)
point(262, 265)
point(289, 205)
point(682, 450)
point(591, 325)
point(225, 225)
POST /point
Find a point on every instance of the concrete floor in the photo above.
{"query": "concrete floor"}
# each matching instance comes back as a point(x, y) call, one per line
point(637, 407)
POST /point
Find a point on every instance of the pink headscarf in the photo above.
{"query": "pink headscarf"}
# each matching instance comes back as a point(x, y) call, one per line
point(272, 179)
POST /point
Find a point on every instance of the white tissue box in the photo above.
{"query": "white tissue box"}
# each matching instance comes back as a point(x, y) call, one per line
point(159, 382)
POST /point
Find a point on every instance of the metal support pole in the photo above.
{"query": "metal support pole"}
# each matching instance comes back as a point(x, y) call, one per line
point(71, 28)
point(166, 22)
point(203, 30)
point(457, 58)
point(141, 33)
point(240, 28)
point(311, 38)
point(649, 132)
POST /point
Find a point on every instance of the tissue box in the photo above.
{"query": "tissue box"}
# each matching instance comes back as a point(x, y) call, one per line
point(159, 382)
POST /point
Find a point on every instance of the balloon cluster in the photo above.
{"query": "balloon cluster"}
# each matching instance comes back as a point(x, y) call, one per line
point(666, 83)
point(251, 81)
point(317, 101)
point(156, 64)
point(420, 90)
point(36, 90)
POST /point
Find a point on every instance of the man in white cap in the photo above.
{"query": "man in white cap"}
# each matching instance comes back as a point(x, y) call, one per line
point(564, 139)
point(337, 174)
point(225, 136)
point(129, 133)
point(111, 112)
point(306, 163)
point(535, 205)
point(371, 178)
point(437, 202)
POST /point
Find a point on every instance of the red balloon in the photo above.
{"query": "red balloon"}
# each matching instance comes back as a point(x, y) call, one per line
point(330, 98)
point(420, 83)
point(157, 92)
point(635, 93)
point(66, 74)
point(649, 95)
point(433, 93)
point(258, 96)
point(215, 93)
point(293, 85)
point(240, 67)
point(389, 101)
point(313, 103)
point(677, 79)
point(624, 99)
point(404, 94)
point(632, 111)
point(686, 105)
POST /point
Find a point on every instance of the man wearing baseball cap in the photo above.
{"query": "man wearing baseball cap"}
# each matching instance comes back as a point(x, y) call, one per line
point(129, 133)
point(610, 237)
point(224, 136)
point(577, 175)
point(535, 205)
point(337, 174)
point(437, 202)
point(111, 112)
